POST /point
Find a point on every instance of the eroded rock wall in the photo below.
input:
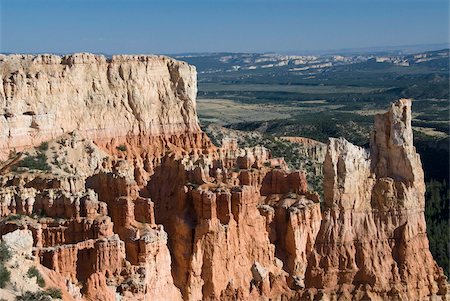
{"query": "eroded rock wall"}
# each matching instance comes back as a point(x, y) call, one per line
point(219, 215)
point(124, 98)
point(96, 239)
point(138, 204)
point(372, 242)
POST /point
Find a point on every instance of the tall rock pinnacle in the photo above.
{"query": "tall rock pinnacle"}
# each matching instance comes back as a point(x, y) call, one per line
point(372, 243)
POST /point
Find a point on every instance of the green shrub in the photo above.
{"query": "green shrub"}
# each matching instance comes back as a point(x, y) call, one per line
point(46, 295)
point(43, 147)
point(122, 148)
point(5, 253)
point(13, 217)
point(5, 275)
point(42, 213)
point(34, 296)
point(54, 293)
point(437, 207)
point(38, 162)
point(34, 272)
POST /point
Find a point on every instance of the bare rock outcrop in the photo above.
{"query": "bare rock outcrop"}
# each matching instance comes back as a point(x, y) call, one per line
point(87, 238)
point(372, 243)
point(93, 207)
point(45, 96)
point(218, 231)
point(129, 105)
point(106, 169)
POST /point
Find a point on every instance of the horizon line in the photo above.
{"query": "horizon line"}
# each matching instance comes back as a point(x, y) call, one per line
point(367, 49)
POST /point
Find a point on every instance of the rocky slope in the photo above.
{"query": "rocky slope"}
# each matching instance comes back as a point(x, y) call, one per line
point(91, 240)
point(148, 101)
point(299, 153)
point(137, 204)
point(311, 149)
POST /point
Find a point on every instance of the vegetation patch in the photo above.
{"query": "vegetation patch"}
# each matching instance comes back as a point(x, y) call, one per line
point(37, 162)
point(5, 253)
point(279, 148)
point(43, 146)
point(54, 292)
point(5, 275)
point(13, 217)
point(437, 215)
point(34, 272)
point(122, 148)
point(47, 295)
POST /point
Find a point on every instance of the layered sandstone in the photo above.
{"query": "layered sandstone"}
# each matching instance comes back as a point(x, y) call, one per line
point(93, 241)
point(101, 237)
point(92, 214)
point(219, 212)
point(137, 204)
point(372, 242)
point(124, 98)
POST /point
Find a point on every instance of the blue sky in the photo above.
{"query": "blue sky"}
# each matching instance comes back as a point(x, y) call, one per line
point(169, 26)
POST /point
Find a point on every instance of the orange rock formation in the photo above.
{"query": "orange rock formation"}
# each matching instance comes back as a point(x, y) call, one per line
point(372, 242)
point(138, 204)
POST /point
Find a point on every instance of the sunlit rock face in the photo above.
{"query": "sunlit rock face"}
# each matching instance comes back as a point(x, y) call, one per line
point(145, 104)
point(128, 199)
point(92, 234)
point(372, 242)
point(45, 96)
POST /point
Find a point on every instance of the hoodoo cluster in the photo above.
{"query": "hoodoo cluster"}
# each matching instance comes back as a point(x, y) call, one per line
point(106, 173)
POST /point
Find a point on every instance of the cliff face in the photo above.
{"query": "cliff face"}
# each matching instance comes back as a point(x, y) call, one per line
point(137, 204)
point(108, 100)
point(372, 243)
